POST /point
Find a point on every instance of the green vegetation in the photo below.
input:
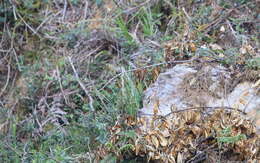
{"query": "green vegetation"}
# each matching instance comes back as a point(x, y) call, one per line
point(226, 137)
point(53, 109)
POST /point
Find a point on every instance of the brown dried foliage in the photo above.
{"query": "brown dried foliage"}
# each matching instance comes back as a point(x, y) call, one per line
point(194, 136)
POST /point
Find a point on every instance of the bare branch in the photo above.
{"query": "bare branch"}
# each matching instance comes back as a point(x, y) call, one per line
point(81, 84)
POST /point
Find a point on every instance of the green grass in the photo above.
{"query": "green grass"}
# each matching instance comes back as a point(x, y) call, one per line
point(60, 143)
point(148, 22)
point(225, 137)
point(124, 31)
point(37, 58)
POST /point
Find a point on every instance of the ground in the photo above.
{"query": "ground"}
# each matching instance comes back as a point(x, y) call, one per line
point(73, 73)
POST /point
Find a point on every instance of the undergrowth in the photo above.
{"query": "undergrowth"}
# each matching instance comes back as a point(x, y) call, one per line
point(56, 110)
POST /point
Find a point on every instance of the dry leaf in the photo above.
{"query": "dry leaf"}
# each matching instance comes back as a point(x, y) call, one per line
point(163, 141)
point(155, 141)
point(137, 146)
point(242, 50)
point(222, 29)
point(215, 47)
point(242, 101)
point(155, 73)
point(156, 107)
point(150, 148)
point(192, 47)
point(257, 84)
point(140, 74)
point(109, 5)
point(196, 130)
point(245, 93)
point(179, 158)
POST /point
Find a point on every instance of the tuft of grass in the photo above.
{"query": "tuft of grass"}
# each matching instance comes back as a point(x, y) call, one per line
point(130, 100)
point(253, 63)
point(227, 138)
point(124, 31)
point(147, 21)
point(122, 97)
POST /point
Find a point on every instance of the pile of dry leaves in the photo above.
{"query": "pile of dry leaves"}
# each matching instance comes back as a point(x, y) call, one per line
point(191, 135)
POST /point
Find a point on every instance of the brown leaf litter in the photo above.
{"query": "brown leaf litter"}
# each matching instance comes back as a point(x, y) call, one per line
point(194, 136)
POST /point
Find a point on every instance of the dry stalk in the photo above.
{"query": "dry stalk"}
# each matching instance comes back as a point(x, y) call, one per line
point(195, 108)
point(145, 67)
point(61, 87)
point(7, 80)
point(81, 84)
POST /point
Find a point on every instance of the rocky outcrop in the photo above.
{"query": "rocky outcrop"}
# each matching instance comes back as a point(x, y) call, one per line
point(202, 86)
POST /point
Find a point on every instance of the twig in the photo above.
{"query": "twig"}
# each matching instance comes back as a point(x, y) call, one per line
point(133, 9)
point(31, 28)
point(68, 92)
point(196, 108)
point(35, 117)
point(90, 53)
point(24, 153)
point(145, 67)
point(61, 87)
point(45, 20)
point(85, 10)
point(81, 84)
point(3, 125)
point(155, 43)
point(17, 60)
point(5, 51)
point(187, 15)
point(7, 80)
point(2, 104)
point(169, 3)
point(217, 21)
point(206, 107)
point(14, 13)
point(199, 157)
point(13, 149)
point(64, 9)
point(231, 28)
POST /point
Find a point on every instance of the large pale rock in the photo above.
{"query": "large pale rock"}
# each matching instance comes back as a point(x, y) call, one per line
point(186, 86)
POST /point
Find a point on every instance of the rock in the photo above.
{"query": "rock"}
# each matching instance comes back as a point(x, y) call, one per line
point(186, 86)
point(165, 90)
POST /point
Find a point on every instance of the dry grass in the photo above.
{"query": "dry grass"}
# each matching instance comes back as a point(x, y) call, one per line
point(63, 64)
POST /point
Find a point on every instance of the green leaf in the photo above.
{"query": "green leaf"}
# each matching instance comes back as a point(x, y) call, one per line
point(128, 134)
point(109, 159)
